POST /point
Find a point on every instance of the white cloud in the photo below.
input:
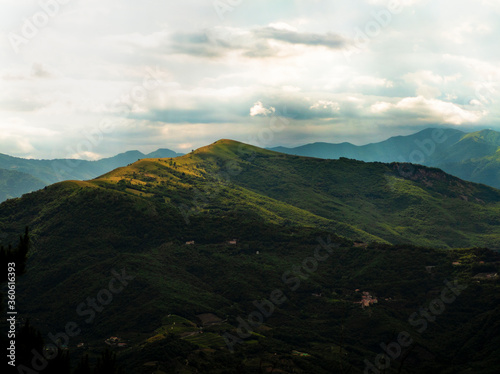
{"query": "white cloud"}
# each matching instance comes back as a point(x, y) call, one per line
point(429, 84)
point(365, 80)
point(325, 104)
point(481, 67)
point(405, 3)
point(424, 76)
point(131, 42)
point(282, 26)
point(258, 109)
point(467, 30)
point(87, 155)
point(430, 110)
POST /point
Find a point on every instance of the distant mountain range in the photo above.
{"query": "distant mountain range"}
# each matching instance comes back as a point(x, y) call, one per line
point(15, 183)
point(19, 175)
point(470, 156)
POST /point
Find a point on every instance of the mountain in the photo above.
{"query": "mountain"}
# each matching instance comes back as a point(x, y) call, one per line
point(162, 153)
point(51, 171)
point(321, 238)
point(476, 157)
point(15, 183)
point(358, 198)
point(395, 149)
point(470, 156)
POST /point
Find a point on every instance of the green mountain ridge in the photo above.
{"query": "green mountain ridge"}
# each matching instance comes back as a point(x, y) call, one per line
point(14, 184)
point(469, 156)
point(47, 172)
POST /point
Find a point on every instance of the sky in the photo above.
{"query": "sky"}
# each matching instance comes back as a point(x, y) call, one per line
point(93, 78)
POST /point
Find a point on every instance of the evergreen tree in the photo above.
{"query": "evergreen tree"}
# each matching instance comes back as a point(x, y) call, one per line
point(107, 364)
point(83, 367)
point(29, 342)
point(17, 255)
point(60, 364)
point(28, 339)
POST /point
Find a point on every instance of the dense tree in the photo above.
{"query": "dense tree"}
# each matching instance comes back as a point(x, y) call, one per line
point(17, 255)
point(107, 364)
point(83, 366)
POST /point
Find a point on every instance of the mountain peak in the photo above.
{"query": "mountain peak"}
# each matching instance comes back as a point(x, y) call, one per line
point(163, 153)
point(227, 148)
point(227, 141)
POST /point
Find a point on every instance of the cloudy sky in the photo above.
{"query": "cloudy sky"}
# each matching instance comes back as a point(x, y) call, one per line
point(91, 78)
